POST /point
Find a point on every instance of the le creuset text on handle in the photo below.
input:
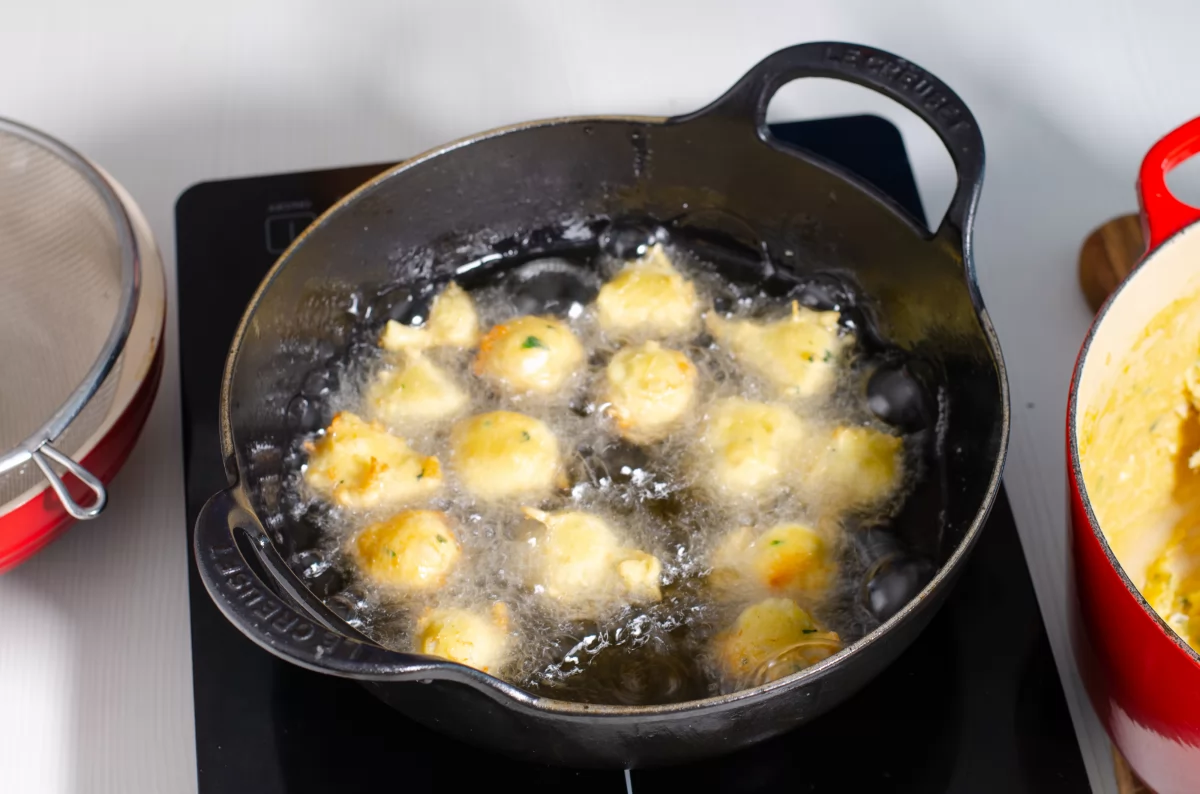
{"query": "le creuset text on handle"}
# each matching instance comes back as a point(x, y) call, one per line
point(270, 622)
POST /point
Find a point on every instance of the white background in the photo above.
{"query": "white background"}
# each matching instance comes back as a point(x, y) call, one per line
point(95, 681)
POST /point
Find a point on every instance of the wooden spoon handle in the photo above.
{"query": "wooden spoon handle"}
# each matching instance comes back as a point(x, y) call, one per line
point(1127, 780)
point(1108, 255)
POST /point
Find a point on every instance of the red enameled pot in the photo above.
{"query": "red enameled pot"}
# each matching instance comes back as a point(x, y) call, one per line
point(1143, 679)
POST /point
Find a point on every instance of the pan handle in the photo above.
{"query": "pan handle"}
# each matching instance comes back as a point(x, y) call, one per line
point(270, 622)
point(1163, 215)
point(888, 74)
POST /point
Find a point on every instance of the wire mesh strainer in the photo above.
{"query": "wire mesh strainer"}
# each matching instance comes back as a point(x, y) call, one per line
point(69, 280)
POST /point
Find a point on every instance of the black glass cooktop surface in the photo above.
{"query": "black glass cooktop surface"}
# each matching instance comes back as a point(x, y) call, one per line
point(975, 705)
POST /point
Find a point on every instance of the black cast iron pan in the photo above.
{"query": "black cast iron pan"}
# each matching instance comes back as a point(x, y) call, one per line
point(472, 205)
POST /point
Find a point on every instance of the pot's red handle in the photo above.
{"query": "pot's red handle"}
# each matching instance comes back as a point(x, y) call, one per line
point(1163, 215)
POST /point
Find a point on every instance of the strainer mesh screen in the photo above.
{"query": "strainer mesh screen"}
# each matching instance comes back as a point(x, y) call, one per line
point(60, 271)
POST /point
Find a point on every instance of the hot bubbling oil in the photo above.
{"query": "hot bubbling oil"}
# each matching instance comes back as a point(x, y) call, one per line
point(633, 655)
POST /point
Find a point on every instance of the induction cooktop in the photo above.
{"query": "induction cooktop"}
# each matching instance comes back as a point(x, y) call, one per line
point(975, 705)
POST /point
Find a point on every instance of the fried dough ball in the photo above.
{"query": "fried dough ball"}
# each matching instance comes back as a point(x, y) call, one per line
point(361, 465)
point(579, 562)
point(748, 447)
point(503, 454)
point(772, 639)
point(415, 392)
point(452, 322)
point(466, 636)
point(787, 558)
point(648, 388)
point(412, 551)
point(799, 355)
point(649, 298)
point(530, 355)
point(855, 467)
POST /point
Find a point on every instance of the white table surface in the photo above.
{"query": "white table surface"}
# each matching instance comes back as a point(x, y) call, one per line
point(95, 678)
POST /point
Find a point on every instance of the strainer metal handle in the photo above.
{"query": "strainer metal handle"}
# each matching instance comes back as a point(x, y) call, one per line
point(93, 483)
